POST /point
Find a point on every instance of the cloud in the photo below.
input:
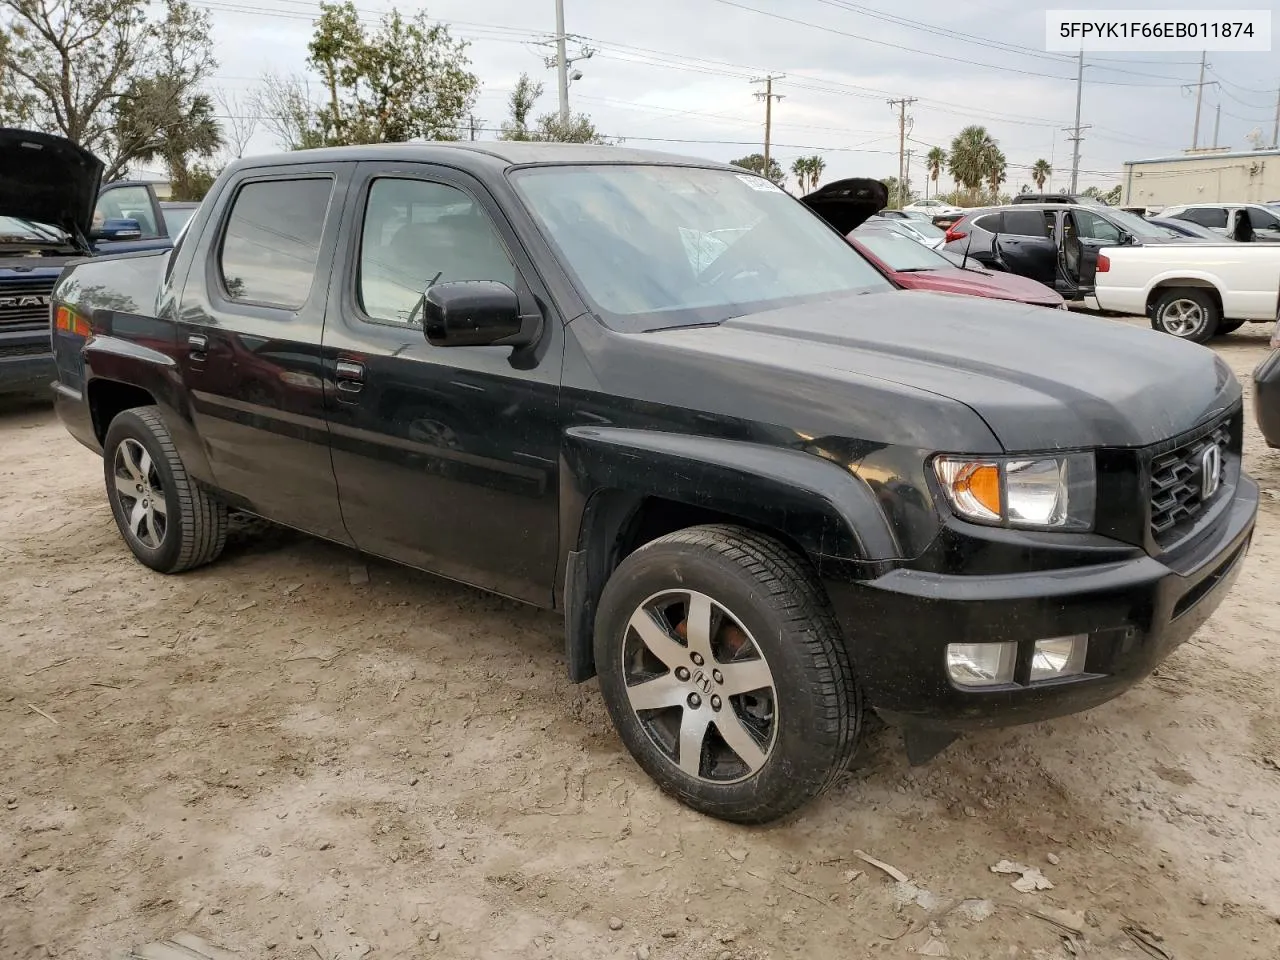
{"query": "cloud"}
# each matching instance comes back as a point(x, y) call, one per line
point(675, 75)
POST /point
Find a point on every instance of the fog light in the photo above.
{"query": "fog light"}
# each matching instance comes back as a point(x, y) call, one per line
point(981, 664)
point(1059, 657)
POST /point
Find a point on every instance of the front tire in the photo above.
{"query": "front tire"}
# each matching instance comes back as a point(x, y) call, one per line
point(1186, 313)
point(169, 523)
point(725, 673)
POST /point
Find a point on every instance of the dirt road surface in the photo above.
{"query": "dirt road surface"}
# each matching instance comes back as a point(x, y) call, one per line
point(291, 762)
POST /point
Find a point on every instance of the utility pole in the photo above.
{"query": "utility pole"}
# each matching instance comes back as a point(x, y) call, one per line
point(1075, 137)
point(1275, 131)
point(1199, 85)
point(1217, 119)
point(906, 194)
point(768, 97)
point(1075, 134)
point(474, 121)
point(562, 64)
point(902, 105)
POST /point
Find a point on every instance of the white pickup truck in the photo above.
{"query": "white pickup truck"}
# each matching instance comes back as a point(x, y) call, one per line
point(1191, 290)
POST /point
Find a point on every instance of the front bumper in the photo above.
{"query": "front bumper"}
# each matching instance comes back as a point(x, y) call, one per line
point(1135, 611)
point(26, 361)
point(1266, 398)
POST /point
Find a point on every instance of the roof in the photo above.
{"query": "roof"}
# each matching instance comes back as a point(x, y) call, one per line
point(480, 153)
point(1183, 157)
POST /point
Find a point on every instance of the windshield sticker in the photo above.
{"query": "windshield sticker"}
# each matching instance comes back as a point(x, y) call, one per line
point(759, 183)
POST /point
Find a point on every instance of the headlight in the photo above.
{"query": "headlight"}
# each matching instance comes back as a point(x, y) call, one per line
point(1046, 493)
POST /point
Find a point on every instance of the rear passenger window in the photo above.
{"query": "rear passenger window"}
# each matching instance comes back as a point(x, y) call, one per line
point(1206, 216)
point(416, 234)
point(272, 241)
point(1024, 223)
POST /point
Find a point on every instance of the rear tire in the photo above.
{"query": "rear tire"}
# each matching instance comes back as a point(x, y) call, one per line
point(779, 716)
point(1187, 313)
point(169, 523)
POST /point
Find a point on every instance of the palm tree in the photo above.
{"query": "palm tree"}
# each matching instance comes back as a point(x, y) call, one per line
point(970, 158)
point(934, 162)
point(996, 168)
point(817, 167)
point(800, 169)
point(1040, 172)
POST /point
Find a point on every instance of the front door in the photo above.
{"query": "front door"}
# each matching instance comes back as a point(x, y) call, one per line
point(249, 330)
point(129, 201)
point(446, 457)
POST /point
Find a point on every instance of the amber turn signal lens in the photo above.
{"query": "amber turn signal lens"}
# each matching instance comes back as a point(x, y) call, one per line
point(973, 486)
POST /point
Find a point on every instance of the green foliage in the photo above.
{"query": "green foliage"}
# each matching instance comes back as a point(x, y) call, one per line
point(1041, 171)
point(755, 163)
point(405, 80)
point(1110, 197)
point(119, 77)
point(935, 162)
point(808, 171)
point(900, 194)
point(578, 129)
point(971, 156)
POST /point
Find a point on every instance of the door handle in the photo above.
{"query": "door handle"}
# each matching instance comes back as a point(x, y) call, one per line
point(350, 376)
point(198, 344)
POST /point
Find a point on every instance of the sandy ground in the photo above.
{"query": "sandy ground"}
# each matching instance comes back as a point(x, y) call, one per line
point(294, 765)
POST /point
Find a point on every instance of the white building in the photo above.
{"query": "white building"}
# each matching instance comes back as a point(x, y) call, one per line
point(1212, 175)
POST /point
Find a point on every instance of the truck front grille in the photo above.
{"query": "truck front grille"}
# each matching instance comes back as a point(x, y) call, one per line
point(25, 303)
point(1178, 481)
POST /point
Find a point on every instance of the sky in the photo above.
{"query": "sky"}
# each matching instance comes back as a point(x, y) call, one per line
point(675, 75)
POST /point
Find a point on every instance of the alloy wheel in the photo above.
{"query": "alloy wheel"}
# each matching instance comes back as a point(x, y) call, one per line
point(1182, 318)
point(141, 493)
point(700, 686)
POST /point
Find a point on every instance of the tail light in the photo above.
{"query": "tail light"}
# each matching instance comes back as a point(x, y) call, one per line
point(1104, 263)
point(67, 319)
point(954, 232)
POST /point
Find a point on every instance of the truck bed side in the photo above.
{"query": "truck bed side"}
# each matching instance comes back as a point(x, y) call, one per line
point(1245, 277)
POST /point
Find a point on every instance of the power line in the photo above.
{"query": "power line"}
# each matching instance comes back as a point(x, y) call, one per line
point(927, 53)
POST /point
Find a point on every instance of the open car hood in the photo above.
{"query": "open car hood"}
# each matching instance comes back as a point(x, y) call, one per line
point(48, 179)
point(847, 204)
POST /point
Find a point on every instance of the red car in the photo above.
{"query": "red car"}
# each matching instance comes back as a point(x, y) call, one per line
point(848, 204)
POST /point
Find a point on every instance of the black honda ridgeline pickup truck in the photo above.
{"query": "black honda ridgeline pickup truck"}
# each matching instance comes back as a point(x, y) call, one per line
point(768, 490)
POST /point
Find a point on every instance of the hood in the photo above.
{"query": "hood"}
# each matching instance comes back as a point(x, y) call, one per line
point(847, 204)
point(1040, 379)
point(975, 283)
point(48, 179)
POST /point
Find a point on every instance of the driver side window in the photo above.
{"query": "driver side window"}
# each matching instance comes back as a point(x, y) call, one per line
point(418, 233)
point(127, 203)
point(1262, 220)
point(1090, 226)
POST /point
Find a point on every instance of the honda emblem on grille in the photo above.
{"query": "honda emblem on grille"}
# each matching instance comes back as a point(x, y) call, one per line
point(1210, 471)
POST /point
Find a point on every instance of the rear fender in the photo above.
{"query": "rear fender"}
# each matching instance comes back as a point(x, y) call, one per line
point(113, 360)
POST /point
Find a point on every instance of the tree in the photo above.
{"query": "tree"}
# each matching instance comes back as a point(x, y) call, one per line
point(817, 167)
point(808, 171)
point(935, 162)
point(407, 79)
point(996, 169)
point(800, 170)
point(110, 76)
point(1110, 197)
point(287, 110)
point(549, 128)
point(523, 97)
point(1041, 171)
point(755, 163)
point(970, 158)
point(900, 194)
point(239, 121)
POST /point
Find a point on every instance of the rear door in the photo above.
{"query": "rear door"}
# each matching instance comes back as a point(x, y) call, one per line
point(1025, 247)
point(250, 322)
point(446, 458)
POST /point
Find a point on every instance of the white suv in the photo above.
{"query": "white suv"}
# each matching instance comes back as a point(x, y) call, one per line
point(935, 208)
point(1263, 222)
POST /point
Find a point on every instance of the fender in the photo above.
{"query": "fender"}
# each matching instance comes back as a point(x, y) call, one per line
point(109, 358)
point(832, 515)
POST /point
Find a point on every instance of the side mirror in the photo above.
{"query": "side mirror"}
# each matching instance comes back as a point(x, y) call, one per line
point(476, 313)
point(118, 229)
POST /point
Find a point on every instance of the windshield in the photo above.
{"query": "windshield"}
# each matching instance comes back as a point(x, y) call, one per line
point(13, 230)
point(922, 228)
point(658, 246)
point(1134, 224)
point(899, 252)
